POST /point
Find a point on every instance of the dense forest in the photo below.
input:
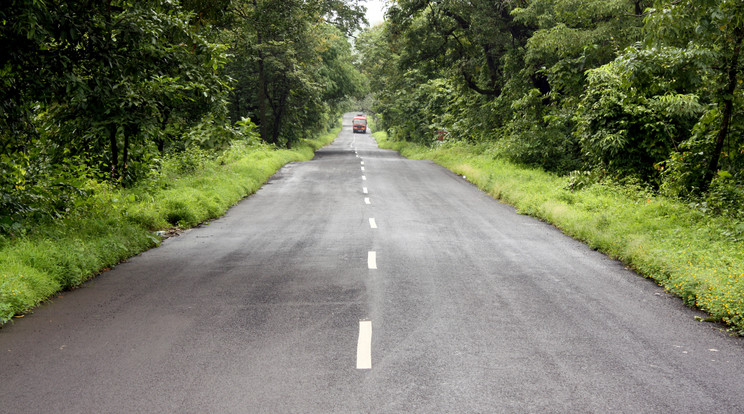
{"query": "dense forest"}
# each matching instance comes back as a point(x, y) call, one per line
point(101, 91)
point(635, 91)
point(640, 91)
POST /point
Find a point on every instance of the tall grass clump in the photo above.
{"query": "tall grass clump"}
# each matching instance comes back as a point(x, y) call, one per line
point(110, 223)
point(695, 255)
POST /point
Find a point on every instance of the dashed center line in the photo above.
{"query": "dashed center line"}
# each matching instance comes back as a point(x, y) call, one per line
point(364, 345)
point(372, 260)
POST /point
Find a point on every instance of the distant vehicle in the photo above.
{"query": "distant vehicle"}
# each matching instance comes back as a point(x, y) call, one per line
point(359, 124)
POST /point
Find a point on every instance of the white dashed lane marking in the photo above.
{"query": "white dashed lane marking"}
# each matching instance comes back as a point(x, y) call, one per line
point(364, 345)
point(372, 260)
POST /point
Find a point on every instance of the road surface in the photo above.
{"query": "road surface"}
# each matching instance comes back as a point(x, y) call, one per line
point(361, 281)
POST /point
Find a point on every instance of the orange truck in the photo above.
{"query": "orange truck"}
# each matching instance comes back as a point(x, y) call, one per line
point(359, 124)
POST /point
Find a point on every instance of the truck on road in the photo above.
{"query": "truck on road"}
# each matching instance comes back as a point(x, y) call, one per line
point(359, 124)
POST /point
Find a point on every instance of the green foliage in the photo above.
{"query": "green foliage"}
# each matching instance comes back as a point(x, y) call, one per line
point(34, 190)
point(111, 223)
point(91, 93)
point(115, 77)
point(726, 198)
point(713, 29)
point(696, 256)
point(511, 72)
point(293, 65)
point(627, 131)
point(105, 93)
point(188, 161)
point(540, 136)
point(629, 89)
point(572, 36)
point(683, 172)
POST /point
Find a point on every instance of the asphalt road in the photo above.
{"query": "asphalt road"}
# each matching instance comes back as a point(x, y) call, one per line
point(361, 281)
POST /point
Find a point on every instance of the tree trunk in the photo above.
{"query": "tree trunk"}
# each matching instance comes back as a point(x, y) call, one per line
point(130, 131)
point(494, 74)
point(277, 127)
point(125, 150)
point(263, 121)
point(278, 115)
point(728, 107)
point(160, 139)
point(114, 152)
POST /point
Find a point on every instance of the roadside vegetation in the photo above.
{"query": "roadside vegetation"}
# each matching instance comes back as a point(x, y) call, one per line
point(621, 121)
point(120, 118)
point(109, 223)
point(692, 254)
point(648, 91)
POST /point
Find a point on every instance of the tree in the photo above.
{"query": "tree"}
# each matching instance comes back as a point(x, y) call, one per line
point(88, 87)
point(276, 45)
point(475, 39)
point(137, 64)
point(714, 30)
point(102, 89)
point(633, 114)
point(570, 38)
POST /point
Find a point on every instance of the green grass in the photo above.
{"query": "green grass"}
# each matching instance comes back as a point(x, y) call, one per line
point(698, 257)
point(112, 224)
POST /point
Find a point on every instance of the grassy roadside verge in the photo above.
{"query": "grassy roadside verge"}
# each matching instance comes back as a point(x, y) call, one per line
point(695, 256)
point(112, 224)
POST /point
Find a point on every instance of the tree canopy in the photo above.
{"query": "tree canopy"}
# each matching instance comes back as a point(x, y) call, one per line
point(102, 89)
point(639, 90)
point(648, 91)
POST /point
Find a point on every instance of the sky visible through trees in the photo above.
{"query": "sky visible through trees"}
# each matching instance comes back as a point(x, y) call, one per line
point(375, 12)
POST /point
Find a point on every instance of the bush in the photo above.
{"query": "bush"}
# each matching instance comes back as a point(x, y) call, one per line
point(632, 116)
point(694, 255)
point(110, 223)
point(540, 136)
point(725, 196)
